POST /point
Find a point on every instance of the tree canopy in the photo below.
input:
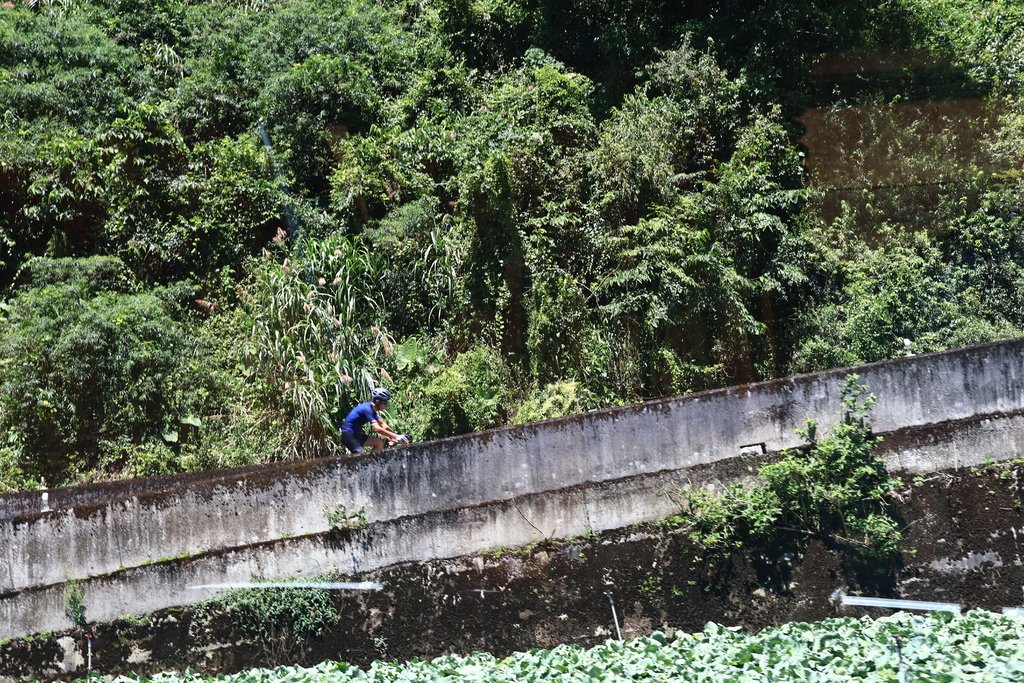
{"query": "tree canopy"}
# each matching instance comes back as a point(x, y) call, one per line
point(221, 223)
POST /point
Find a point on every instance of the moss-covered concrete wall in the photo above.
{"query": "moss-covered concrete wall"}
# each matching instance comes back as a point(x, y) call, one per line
point(138, 547)
point(961, 546)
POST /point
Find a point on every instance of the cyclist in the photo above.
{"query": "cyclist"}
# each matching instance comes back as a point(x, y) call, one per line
point(352, 434)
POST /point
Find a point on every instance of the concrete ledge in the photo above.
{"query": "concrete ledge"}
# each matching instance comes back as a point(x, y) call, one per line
point(960, 546)
point(90, 496)
point(956, 443)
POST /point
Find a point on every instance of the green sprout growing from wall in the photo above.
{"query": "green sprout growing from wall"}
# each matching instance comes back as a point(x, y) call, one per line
point(340, 517)
point(74, 603)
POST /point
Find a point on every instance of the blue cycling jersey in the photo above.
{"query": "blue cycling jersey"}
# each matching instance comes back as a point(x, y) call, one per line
point(358, 417)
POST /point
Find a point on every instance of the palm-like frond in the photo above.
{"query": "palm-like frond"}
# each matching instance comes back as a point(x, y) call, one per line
point(314, 337)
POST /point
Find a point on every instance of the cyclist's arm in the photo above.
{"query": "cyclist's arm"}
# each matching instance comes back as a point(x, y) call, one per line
point(381, 428)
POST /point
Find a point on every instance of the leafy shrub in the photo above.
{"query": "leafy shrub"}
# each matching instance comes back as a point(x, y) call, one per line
point(561, 330)
point(978, 645)
point(697, 281)
point(61, 65)
point(304, 102)
point(233, 208)
point(88, 275)
point(224, 419)
point(313, 341)
point(666, 136)
point(382, 170)
point(340, 517)
point(553, 400)
point(472, 394)
point(837, 486)
point(74, 604)
point(138, 192)
point(277, 620)
point(425, 274)
point(904, 297)
point(82, 364)
point(984, 36)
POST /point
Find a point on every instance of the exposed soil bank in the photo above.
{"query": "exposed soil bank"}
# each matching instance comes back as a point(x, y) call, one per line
point(962, 539)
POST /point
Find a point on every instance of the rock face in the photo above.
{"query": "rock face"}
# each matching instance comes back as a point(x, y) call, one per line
point(962, 544)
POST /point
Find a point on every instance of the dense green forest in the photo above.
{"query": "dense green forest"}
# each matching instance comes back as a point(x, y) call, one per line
point(222, 222)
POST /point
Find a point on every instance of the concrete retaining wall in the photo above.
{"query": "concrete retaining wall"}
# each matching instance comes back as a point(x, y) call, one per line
point(947, 407)
point(960, 545)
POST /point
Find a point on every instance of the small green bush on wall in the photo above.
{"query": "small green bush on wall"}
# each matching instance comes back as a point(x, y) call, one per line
point(837, 487)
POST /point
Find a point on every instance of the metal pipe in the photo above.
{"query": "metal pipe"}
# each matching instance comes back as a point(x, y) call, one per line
point(858, 601)
point(331, 585)
point(615, 617)
point(88, 660)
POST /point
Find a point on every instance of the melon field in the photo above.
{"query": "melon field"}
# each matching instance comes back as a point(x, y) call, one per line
point(979, 647)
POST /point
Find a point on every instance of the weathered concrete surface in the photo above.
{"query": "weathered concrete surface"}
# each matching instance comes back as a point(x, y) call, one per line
point(958, 443)
point(559, 513)
point(961, 546)
point(91, 495)
point(126, 525)
point(449, 533)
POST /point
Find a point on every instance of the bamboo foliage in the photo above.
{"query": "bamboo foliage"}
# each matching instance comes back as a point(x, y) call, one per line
point(314, 341)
